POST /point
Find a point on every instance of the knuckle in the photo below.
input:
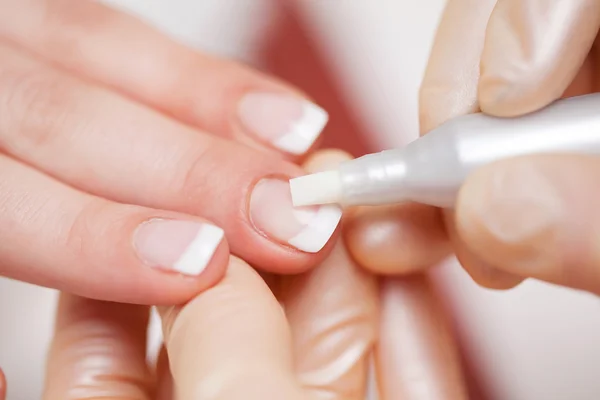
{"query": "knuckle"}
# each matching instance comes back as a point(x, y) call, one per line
point(92, 230)
point(66, 24)
point(32, 108)
point(182, 84)
point(204, 163)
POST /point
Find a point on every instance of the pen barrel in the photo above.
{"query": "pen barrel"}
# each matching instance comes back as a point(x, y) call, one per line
point(432, 169)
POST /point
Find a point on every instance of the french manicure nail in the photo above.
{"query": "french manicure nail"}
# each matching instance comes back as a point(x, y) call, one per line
point(181, 246)
point(305, 228)
point(289, 123)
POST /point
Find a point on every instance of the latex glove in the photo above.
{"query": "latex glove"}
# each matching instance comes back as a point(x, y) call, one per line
point(121, 147)
point(529, 216)
point(308, 337)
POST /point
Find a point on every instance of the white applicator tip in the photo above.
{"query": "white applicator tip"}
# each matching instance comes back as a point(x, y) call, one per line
point(316, 189)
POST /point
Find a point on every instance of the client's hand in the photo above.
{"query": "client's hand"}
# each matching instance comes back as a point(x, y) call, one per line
point(125, 157)
point(306, 337)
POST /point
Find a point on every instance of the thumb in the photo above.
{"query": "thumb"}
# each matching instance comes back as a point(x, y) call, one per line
point(231, 342)
point(536, 217)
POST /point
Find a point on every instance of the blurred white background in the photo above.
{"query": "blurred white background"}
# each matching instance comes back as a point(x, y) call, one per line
point(534, 342)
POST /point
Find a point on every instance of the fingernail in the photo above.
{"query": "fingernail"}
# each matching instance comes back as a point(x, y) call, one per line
point(287, 122)
point(181, 246)
point(305, 228)
point(518, 207)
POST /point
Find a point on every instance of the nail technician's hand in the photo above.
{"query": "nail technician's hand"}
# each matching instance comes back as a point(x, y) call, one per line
point(234, 342)
point(111, 186)
point(531, 216)
point(533, 51)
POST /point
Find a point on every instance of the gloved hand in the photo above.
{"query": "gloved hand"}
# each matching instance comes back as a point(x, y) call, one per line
point(533, 216)
point(529, 216)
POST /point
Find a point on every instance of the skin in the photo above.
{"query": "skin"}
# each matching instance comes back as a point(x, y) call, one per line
point(234, 342)
point(94, 142)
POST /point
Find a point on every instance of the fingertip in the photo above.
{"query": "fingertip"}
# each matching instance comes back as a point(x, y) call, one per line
point(307, 233)
point(284, 121)
point(522, 71)
point(173, 258)
point(245, 353)
point(484, 274)
point(396, 239)
point(181, 288)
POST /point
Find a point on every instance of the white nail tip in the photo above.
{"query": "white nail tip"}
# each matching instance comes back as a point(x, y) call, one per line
point(305, 131)
point(319, 229)
point(200, 251)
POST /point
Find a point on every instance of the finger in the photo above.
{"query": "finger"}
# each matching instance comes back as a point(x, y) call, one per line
point(482, 272)
point(106, 145)
point(533, 51)
point(217, 95)
point(231, 342)
point(449, 87)
point(98, 351)
point(417, 356)
point(58, 237)
point(333, 317)
point(164, 384)
point(536, 217)
point(397, 239)
point(332, 311)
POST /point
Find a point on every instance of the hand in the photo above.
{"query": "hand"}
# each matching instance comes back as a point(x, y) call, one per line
point(525, 217)
point(529, 216)
point(234, 342)
point(108, 172)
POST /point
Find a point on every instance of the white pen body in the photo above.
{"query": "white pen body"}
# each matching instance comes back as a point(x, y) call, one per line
point(432, 169)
